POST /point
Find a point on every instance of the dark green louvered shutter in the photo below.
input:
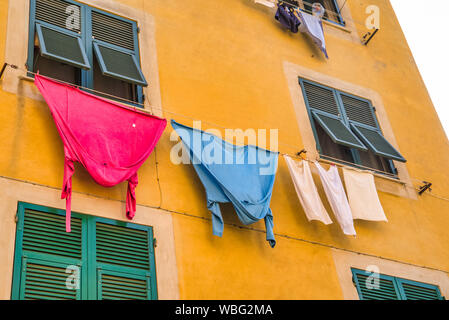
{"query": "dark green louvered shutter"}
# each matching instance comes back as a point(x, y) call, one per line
point(320, 98)
point(61, 46)
point(114, 285)
point(387, 289)
point(323, 105)
point(45, 280)
point(363, 123)
point(393, 288)
point(413, 290)
point(59, 35)
point(125, 261)
point(337, 131)
point(113, 30)
point(113, 259)
point(44, 251)
point(115, 48)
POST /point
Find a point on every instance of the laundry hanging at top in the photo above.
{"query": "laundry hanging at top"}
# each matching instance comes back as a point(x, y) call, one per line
point(110, 140)
point(313, 26)
point(242, 175)
point(296, 19)
point(285, 15)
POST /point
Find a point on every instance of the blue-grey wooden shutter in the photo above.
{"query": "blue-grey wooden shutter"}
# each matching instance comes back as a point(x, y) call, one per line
point(125, 261)
point(57, 13)
point(59, 38)
point(44, 251)
point(116, 48)
point(323, 105)
point(363, 123)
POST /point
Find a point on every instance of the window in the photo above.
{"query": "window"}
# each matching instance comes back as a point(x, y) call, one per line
point(332, 12)
point(114, 260)
point(392, 288)
point(85, 46)
point(346, 128)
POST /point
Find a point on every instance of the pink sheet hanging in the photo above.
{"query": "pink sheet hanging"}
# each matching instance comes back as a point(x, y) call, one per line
point(110, 140)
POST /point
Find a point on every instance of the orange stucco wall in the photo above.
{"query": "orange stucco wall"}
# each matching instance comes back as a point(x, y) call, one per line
point(222, 62)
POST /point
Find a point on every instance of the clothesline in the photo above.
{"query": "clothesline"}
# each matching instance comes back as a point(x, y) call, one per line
point(325, 159)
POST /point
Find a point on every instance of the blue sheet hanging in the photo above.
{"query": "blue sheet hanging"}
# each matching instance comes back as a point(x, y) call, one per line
point(242, 175)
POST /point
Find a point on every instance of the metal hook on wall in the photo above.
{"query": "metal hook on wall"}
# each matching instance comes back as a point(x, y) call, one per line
point(426, 186)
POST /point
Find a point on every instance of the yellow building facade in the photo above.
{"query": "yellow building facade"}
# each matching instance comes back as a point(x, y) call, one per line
point(230, 64)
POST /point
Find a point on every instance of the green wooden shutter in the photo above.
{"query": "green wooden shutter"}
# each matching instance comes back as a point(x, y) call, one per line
point(116, 48)
point(323, 106)
point(119, 64)
point(43, 253)
point(393, 288)
point(387, 289)
point(115, 259)
point(45, 280)
point(62, 46)
point(363, 123)
point(125, 261)
point(113, 30)
point(56, 12)
point(337, 131)
point(113, 285)
point(413, 290)
point(59, 37)
point(359, 110)
point(320, 98)
point(374, 139)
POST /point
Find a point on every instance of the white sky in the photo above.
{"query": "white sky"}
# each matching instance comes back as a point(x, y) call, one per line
point(427, 35)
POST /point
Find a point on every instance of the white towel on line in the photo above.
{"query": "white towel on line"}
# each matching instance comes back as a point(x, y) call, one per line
point(362, 196)
point(306, 190)
point(333, 187)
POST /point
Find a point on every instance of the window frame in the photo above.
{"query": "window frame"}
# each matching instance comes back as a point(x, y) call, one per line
point(344, 118)
point(87, 76)
point(89, 276)
point(340, 22)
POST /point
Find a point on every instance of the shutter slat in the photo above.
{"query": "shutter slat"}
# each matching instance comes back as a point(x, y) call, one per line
point(54, 226)
point(134, 250)
point(118, 243)
point(123, 233)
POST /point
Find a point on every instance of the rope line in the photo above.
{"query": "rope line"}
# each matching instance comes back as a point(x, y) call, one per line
point(324, 159)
